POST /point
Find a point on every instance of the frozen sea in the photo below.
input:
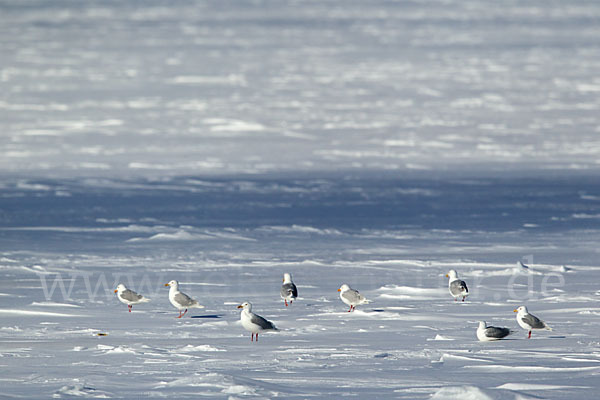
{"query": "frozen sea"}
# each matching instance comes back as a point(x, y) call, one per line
point(222, 144)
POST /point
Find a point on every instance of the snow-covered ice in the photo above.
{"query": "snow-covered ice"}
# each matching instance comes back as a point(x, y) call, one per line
point(222, 144)
point(64, 333)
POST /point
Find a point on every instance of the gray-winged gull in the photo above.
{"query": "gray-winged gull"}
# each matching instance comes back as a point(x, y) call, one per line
point(351, 297)
point(529, 321)
point(487, 333)
point(180, 300)
point(129, 297)
point(456, 286)
point(289, 292)
point(253, 322)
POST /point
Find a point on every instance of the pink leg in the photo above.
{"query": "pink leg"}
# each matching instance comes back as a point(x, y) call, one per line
point(180, 314)
point(350, 309)
point(529, 337)
point(129, 306)
point(463, 299)
point(286, 304)
point(257, 337)
point(252, 338)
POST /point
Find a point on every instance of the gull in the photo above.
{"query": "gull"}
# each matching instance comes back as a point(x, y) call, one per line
point(129, 297)
point(288, 289)
point(351, 297)
point(456, 286)
point(180, 300)
point(253, 322)
point(488, 333)
point(529, 321)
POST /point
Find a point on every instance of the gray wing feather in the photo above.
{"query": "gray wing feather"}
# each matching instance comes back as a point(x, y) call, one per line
point(287, 289)
point(130, 295)
point(495, 332)
point(458, 286)
point(353, 296)
point(184, 299)
point(533, 321)
point(263, 323)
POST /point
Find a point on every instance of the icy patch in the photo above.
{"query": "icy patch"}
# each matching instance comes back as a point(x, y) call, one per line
point(115, 350)
point(213, 383)
point(204, 347)
point(37, 313)
point(412, 293)
point(440, 337)
point(80, 390)
point(536, 386)
point(460, 393)
point(53, 304)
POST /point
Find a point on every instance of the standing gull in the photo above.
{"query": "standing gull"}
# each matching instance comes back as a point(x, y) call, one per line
point(351, 297)
point(129, 297)
point(488, 333)
point(456, 286)
point(181, 300)
point(288, 289)
point(253, 322)
point(529, 321)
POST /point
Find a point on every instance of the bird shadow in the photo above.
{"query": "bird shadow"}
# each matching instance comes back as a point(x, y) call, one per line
point(208, 316)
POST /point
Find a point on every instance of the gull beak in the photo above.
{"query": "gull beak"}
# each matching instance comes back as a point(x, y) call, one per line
point(447, 276)
point(339, 290)
point(116, 290)
point(240, 306)
point(515, 311)
point(166, 284)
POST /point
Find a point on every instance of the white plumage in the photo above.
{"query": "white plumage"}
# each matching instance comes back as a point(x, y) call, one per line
point(351, 297)
point(254, 323)
point(180, 300)
point(129, 297)
point(529, 321)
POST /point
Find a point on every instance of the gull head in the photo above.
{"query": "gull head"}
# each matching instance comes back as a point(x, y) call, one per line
point(482, 325)
point(521, 309)
point(246, 306)
point(343, 288)
point(452, 274)
point(173, 284)
point(287, 278)
point(120, 288)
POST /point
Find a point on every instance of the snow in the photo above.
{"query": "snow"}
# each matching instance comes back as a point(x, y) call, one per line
point(222, 144)
point(392, 239)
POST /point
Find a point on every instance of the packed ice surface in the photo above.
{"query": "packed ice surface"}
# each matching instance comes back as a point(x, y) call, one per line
point(374, 143)
point(170, 88)
point(66, 244)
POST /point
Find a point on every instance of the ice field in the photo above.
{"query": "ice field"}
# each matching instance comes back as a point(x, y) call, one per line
point(66, 245)
point(222, 144)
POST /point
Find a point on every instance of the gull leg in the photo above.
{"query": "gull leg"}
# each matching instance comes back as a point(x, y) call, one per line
point(180, 315)
point(529, 337)
point(129, 306)
point(184, 312)
point(257, 337)
point(286, 304)
point(463, 298)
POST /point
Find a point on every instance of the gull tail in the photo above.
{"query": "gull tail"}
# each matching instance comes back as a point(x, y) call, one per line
point(144, 300)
